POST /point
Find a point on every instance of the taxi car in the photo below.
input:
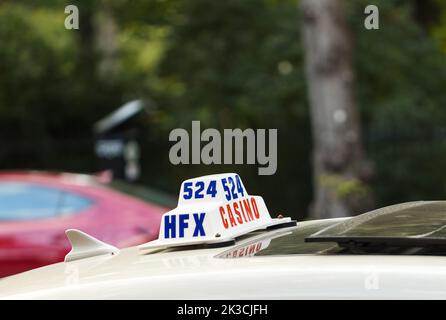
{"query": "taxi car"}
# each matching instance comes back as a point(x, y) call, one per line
point(221, 243)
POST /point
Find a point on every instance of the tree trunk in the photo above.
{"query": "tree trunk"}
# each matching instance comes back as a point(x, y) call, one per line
point(106, 33)
point(340, 171)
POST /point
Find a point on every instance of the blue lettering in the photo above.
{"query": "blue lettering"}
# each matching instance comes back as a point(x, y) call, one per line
point(199, 229)
point(183, 224)
point(170, 226)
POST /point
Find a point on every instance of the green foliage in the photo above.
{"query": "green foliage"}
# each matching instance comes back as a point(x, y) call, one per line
point(229, 64)
point(238, 64)
point(50, 96)
point(343, 187)
point(35, 65)
point(439, 30)
point(400, 87)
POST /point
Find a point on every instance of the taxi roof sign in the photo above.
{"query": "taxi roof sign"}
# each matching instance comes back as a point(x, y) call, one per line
point(213, 209)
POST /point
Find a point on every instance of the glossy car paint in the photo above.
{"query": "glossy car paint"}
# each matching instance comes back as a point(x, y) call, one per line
point(203, 274)
point(114, 217)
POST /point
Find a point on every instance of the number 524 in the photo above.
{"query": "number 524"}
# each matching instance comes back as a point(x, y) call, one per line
point(232, 187)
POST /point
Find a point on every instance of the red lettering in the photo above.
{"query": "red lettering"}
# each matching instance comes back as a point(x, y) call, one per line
point(243, 211)
point(239, 217)
point(254, 206)
point(248, 209)
point(231, 217)
point(223, 219)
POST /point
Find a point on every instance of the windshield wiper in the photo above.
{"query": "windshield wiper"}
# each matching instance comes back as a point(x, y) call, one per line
point(385, 245)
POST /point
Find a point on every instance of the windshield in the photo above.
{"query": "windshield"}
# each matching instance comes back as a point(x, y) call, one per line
point(23, 201)
point(408, 223)
point(416, 228)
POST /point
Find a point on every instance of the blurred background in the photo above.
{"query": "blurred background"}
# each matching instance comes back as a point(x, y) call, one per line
point(361, 114)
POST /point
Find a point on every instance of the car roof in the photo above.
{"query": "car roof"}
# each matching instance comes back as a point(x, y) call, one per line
point(131, 263)
point(187, 273)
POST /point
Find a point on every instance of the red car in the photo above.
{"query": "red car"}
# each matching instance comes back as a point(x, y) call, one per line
point(36, 208)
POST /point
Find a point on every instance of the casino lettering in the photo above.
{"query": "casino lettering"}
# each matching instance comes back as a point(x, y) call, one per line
point(239, 212)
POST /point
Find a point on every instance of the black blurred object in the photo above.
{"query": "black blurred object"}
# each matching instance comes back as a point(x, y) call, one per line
point(116, 142)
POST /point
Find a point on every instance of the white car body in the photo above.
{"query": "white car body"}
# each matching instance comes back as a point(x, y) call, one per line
point(200, 274)
point(347, 258)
